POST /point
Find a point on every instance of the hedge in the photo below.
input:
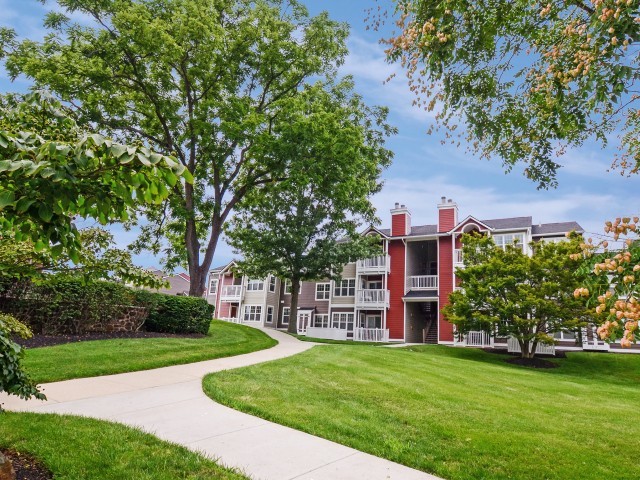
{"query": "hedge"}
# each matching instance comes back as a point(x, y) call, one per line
point(176, 314)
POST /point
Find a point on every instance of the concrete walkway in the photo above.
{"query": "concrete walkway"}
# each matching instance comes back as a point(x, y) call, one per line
point(169, 403)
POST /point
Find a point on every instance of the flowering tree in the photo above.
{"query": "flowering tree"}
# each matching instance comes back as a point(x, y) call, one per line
point(525, 79)
point(614, 283)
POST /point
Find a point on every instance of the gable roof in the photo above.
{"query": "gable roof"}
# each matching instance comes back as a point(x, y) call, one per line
point(559, 228)
point(515, 223)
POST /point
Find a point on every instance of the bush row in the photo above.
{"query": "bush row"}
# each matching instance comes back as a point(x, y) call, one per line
point(64, 305)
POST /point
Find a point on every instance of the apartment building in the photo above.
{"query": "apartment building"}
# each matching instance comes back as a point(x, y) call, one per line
point(397, 296)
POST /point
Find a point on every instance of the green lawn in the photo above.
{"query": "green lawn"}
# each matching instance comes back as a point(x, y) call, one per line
point(76, 448)
point(304, 338)
point(104, 357)
point(457, 413)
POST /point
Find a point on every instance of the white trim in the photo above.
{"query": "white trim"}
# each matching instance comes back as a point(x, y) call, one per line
point(266, 319)
point(288, 316)
point(324, 291)
point(348, 288)
point(469, 217)
point(275, 284)
point(256, 307)
point(255, 281)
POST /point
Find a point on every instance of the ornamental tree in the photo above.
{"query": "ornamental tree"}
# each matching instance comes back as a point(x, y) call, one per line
point(525, 80)
point(305, 227)
point(208, 81)
point(52, 173)
point(612, 282)
point(509, 293)
point(13, 380)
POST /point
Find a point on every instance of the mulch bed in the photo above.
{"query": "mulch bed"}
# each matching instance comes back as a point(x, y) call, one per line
point(50, 340)
point(27, 467)
point(537, 362)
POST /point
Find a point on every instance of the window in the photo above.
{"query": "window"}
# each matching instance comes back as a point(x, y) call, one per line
point(321, 321)
point(564, 336)
point(287, 287)
point(343, 321)
point(345, 288)
point(255, 285)
point(252, 313)
point(370, 321)
point(323, 291)
point(213, 286)
point(272, 284)
point(374, 285)
point(509, 239)
point(286, 313)
point(269, 314)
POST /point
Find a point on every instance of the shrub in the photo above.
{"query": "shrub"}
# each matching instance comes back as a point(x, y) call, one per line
point(13, 379)
point(176, 314)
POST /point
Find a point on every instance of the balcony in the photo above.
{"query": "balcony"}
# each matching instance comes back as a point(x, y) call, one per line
point(370, 335)
point(231, 293)
point(372, 298)
point(373, 265)
point(423, 282)
point(457, 258)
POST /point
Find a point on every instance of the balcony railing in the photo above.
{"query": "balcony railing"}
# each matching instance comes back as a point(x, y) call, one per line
point(231, 319)
point(378, 264)
point(424, 282)
point(231, 293)
point(371, 335)
point(372, 298)
point(457, 257)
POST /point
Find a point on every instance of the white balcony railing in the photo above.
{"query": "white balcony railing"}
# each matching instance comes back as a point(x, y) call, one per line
point(424, 282)
point(372, 298)
point(378, 264)
point(457, 257)
point(371, 335)
point(231, 292)
point(231, 319)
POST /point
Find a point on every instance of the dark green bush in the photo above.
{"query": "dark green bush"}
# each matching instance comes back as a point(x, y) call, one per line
point(176, 314)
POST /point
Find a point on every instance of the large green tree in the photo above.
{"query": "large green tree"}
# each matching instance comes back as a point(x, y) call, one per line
point(52, 173)
point(208, 81)
point(506, 292)
point(524, 80)
point(305, 227)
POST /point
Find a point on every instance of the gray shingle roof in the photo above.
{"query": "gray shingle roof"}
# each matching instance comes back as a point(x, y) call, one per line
point(422, 294)
point(508, 223)
point(560, 227)
point(424, 230)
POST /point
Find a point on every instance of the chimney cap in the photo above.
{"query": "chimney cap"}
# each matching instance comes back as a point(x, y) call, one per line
point(443, 199)
point(397, 205)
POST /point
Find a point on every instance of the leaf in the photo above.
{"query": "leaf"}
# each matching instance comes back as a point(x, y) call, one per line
point(45, 212)
point(6, 198)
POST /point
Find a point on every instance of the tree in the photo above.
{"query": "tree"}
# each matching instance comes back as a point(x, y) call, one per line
point(612, 281)
point(306, 226)
point(525, 80)
point(13, 380)
point(206, 80)
point(509, 293)
point(51, 172)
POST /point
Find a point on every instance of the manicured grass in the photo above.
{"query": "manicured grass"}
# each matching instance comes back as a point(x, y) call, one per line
point(457, 413)
point(104, 357)
point(76, 448)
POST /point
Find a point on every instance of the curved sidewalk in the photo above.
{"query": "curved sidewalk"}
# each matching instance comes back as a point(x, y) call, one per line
point(169, 402)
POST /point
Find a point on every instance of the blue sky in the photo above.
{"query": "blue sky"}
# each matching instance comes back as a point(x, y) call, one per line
point(423, 169)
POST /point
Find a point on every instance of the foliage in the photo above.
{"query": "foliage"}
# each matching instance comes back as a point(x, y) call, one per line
point(14, 380)
point(107, 357)
point(524, 80)
point(305, 226)
point(457, 413)
point(98, 259)
point(509, 293)
point(207, 80)
point(52, 172)
point(612, 281)
point(178, 314)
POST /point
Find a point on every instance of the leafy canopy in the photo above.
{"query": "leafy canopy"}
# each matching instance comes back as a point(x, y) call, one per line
point(506, 292)
point(208, 81)
point(525, 80)
point(52, 173)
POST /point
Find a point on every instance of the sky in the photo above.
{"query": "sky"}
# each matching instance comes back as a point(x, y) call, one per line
point(423, 169)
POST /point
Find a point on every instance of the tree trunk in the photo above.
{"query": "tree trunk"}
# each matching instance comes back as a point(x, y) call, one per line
point(198, 280)
point(293, 316)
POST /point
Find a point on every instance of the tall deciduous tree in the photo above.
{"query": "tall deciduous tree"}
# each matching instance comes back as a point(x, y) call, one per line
point(206, 80)
point(306, 226)
point(52, 172)
point(509, 293)
point(525, 80)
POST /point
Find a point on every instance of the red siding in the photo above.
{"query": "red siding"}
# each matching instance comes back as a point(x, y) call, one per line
point(395, 315)
point(445, 271)
point(399, 224)
point(446, 219)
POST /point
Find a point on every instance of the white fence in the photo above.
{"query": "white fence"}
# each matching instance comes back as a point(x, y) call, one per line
point(424, 282)
point(371, 335)
point(231, 319)
point(374, 264)
point(514, 347)
point(593, 343)
point(478, 339)
point(327, 333)
point(372, 298)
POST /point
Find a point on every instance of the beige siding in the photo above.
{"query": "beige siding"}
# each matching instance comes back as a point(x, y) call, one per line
point(349, 271)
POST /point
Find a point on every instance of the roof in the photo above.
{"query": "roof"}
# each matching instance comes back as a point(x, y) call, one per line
point(559, 228)
point(423, 230)
point(508, 223)
point(422, 294)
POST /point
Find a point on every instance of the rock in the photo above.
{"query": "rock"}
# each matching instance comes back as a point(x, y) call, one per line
point(6, 469)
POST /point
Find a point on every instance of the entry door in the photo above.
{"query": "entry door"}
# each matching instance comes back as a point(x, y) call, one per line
point(374, 321)
point(304, 319)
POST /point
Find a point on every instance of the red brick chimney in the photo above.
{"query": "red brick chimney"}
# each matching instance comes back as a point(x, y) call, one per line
point(447, 215)
point(400, 221)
